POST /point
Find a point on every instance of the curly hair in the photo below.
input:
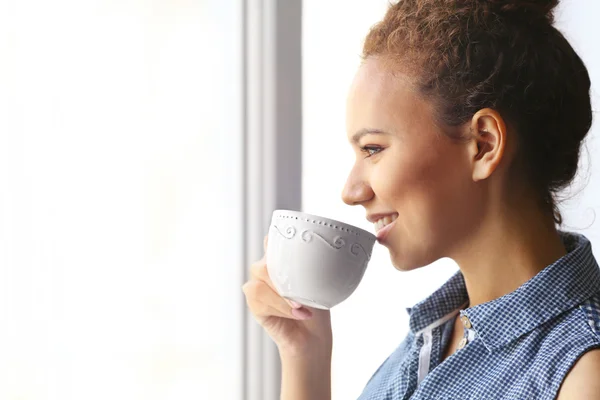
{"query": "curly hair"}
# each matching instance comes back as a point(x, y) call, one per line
point(505, 55)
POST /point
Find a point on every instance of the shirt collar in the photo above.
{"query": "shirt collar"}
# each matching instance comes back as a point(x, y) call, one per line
point(557, 288)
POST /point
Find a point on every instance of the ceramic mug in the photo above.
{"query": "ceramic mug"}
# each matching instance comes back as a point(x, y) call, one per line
point(316, 261)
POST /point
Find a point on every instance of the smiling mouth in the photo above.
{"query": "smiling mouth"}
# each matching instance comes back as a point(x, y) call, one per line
point(383, 222)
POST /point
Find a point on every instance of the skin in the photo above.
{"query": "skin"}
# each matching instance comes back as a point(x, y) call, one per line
point(453, 199)
point(303, 337)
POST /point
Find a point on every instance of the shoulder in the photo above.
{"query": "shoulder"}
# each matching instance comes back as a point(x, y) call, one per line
point(591, 310)
point(582, 382)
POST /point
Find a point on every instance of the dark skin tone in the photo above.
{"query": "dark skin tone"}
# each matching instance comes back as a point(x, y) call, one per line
point(456, 200)
point(453, 199)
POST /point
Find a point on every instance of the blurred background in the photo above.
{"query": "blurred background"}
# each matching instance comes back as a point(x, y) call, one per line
point(144, 145)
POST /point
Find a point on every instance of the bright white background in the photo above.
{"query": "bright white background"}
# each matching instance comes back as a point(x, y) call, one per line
point(118, 152)
point(118, 188)
point(373, 321)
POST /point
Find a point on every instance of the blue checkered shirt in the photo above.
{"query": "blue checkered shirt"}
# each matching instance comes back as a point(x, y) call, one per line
point(519, 346)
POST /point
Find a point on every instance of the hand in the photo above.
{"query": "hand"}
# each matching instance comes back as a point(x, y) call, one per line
point(296, 330)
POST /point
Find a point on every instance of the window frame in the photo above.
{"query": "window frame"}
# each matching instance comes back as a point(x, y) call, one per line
point(272, 156)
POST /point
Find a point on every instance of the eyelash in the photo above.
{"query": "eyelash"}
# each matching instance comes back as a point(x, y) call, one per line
point(367, 149)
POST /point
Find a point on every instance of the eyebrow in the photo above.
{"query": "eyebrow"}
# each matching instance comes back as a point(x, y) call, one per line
point(363, 132)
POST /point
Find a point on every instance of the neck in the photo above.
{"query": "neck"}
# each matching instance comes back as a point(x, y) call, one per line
point(506, 251)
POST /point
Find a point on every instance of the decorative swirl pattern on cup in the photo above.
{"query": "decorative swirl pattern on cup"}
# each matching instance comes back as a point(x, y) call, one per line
point(290, 232)
point(307, 236)
point(316, 220)
point(356, 248)
point(338, 241)
point(337, 244)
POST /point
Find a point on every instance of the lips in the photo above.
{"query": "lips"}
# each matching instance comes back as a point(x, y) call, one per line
point(383, 233)
point(384, 221)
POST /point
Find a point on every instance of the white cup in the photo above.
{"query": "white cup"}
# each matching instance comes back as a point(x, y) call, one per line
point(316, 261)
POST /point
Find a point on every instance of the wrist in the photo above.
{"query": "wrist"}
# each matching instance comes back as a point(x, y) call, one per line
point(306, 376)
point(312, 353)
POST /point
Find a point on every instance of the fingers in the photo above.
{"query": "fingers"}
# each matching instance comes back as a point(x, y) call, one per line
point(262, 297)
point(264, 302)
point(260, 272)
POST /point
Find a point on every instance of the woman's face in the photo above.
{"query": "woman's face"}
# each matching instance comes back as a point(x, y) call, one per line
point(412, 169)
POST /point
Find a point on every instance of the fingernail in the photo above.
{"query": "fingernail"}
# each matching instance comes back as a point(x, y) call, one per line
point(295, 305)
point(301, 313)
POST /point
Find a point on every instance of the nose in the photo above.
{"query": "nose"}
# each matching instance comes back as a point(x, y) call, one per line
point(356, 190)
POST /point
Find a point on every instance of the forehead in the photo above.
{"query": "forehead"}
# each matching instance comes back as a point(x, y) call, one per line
point(380, 99)
point(372, 78)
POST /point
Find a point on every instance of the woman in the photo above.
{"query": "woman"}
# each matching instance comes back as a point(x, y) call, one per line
point(467, 117)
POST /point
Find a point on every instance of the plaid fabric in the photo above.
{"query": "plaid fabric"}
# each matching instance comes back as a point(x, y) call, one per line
point(519, 346)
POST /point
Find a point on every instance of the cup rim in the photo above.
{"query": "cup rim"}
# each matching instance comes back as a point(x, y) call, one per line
point(351, 228)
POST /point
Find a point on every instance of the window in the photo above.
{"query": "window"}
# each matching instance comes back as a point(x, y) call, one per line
point(119, 200)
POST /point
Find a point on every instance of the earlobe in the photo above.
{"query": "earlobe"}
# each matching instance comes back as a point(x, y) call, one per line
point(489, 141)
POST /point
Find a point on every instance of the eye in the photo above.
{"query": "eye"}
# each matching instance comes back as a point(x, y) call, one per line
point(371, 150)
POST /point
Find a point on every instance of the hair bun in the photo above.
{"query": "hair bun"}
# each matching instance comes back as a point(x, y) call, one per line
point(534, 9)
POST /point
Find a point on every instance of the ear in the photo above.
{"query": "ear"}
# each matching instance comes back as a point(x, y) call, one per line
point(488, 142)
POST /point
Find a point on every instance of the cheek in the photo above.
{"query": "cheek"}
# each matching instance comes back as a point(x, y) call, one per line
point(427, 189)
point(411, 177)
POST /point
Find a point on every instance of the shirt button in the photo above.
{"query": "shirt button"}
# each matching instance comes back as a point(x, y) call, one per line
point(462, 343)
point(465, 321)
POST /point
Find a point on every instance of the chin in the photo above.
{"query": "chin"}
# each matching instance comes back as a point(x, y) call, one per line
point(411, 262)
point(403, 264)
